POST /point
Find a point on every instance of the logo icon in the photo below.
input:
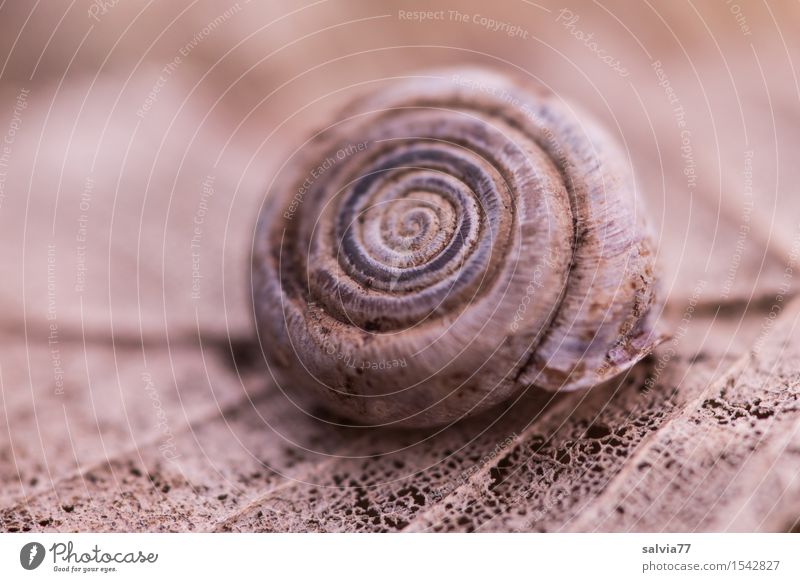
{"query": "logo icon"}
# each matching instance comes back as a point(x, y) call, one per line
point(31, 555)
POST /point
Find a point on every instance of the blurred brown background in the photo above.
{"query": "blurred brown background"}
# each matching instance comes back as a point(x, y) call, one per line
point(138, 141)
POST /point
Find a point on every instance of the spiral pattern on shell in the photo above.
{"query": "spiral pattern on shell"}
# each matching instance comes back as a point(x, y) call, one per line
point(451, 240)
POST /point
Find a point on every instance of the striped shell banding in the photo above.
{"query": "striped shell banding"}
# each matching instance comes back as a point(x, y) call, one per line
point(448, 241)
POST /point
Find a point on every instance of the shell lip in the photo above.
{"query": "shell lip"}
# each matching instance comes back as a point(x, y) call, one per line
point(553, 380)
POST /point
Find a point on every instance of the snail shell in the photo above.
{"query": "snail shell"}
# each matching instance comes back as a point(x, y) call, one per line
point(448, 241)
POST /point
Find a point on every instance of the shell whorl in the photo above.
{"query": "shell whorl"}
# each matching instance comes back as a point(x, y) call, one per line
point(449, 241)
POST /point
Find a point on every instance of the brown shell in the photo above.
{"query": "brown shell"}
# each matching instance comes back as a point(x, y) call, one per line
point(448, 241)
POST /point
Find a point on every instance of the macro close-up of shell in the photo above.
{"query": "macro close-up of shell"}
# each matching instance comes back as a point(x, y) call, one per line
point(449, 240)
point(407, 266)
